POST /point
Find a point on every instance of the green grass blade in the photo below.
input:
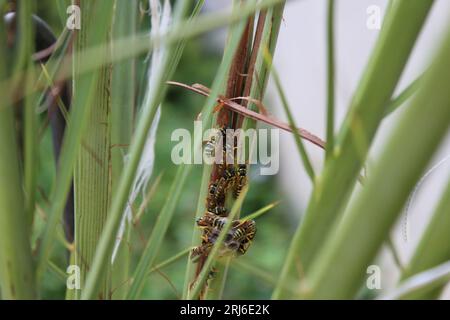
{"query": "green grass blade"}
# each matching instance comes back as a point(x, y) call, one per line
point(257, 272)
point(190, 266)
point(45, 79)
point(434, 246)
point(62, 107)
point(123, 106)
point(341, 265)
point(274, 16)
point(395, 254)
point(57, 271)
point(261, 211)
point(105, 245)
point(179, 49)
point(123, 87)
point(254, 271)
point(82, 102)
point(425, 281)
point(287, 109)
point(157, 236)
point(216, 285)
point(61, 8)
point(169, 261)
point(25, 48)
point(330, 77)
point(333, 186)
point(92, 169)
point(407, 93)
point(16, 264)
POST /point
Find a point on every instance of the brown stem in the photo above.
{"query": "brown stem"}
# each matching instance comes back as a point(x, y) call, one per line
point(251, 66)
point(235, 86)
point(230, 104)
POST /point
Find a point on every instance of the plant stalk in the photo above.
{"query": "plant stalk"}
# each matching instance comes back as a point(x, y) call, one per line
point(334, 185)
point(341, 265)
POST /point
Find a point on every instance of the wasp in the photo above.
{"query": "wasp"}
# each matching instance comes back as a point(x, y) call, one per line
point(215, 198)
point(240, 180)
point(219, 211)
point(220, 138)
point(228, 173)
point(218, 189)
point(243, 235)
point(212, 225)
point(209, 238)
point(238, 238)
point(200, 251)
point(215, 201)
point(210, 220)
